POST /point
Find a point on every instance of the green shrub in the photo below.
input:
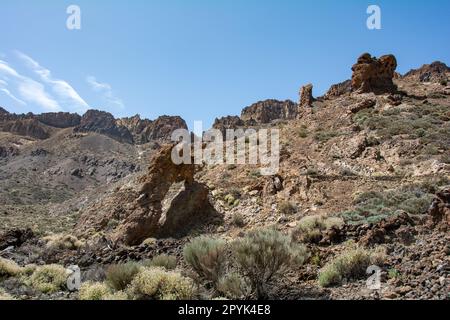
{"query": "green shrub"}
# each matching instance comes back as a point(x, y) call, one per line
point(234, 286)
point(49, 278)
point(9, 268)
point(264, 254)
point(351, 264)
point(238, 220)
point(372, 206)
point(207, 257)
point(302, 132)
point(4, 296)
point(163, 260)
point(157, 283)
point(310, 229)
point(93, 291)
point(287, 208)
point(62, 241)
point(119, 276)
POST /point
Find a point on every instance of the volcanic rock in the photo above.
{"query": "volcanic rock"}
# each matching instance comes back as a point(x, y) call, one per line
point(374, 75)
point(103, 123)
point(439, 210)
point(434, 72)
point(306, 96)
point(26, 127)
point(149, 207)
point(15, 237)
point(60, 119)
point(269, 110)
point(339, 89)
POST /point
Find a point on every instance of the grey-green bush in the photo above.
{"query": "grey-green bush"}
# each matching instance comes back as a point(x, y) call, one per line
point(119, 276)
point(207, 257)
point(263, 254)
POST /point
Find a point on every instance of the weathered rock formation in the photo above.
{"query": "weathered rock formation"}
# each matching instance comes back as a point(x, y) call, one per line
point(435, 72)
point(144, 130)
point(374, 75)
point(339, 89)
point(26, 127)
point(103, 123)
point(162, 128)
point(439, 211)
point(163, 202)
point(229, 122)
point(269, 110)
point(59, 119)
point(306, 96)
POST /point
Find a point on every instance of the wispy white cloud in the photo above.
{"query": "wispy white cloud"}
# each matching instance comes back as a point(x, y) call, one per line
point(106, 90)
point(28, 89)
point(66, 94)
point(9, 94)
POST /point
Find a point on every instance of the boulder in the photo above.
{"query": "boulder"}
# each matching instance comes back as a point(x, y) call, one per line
point(439, 211)
point(15, 238)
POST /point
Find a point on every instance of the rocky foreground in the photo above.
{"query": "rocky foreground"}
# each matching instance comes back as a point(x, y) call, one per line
point(363, 182)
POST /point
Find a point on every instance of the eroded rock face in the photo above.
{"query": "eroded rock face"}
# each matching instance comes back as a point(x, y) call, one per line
point(339, 89)
point(103, 123)
point(229, 122)
point(148, 207)
point(15, 237)
point(144, 130)
point(8, 151)
point(26, 127)
point(374, 75)
point(439, 211)
point(306, 96)
point(163, 127)
point(434, 72)
point(269, 110)
point(59, 119)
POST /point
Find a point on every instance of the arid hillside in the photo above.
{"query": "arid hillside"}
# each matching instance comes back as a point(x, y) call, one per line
point(364, 181)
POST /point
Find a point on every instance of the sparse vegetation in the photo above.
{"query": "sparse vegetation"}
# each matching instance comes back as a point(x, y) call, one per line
point(9, 268)
point(287, 208)
point(157, 283)
point(372, 206)
point(119, 276)
point(238, 220)
point(93, 291)
point(310, 229)
point(62, 241)
point(207, 257)
point(234, 286)
point(49, 278)
point(163, 260)
point(351, 264)
point(4, 296)
point(263, 254)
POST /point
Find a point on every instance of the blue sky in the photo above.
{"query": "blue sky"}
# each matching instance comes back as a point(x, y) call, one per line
point(200, 59)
